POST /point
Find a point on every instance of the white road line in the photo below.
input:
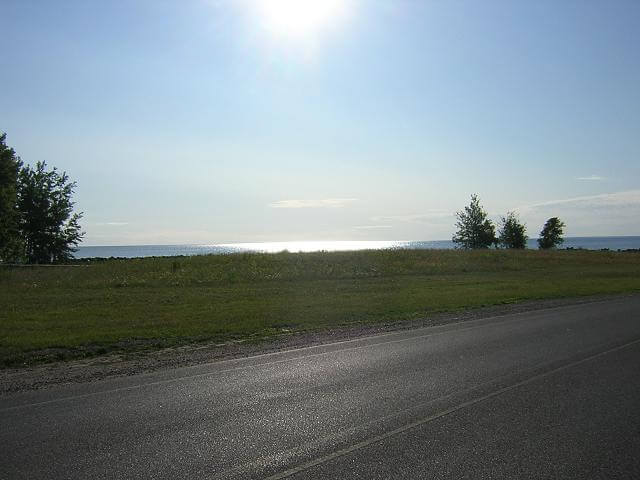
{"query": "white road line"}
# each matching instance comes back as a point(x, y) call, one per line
point(478, 323)
point(245, 367)
point(404, 428)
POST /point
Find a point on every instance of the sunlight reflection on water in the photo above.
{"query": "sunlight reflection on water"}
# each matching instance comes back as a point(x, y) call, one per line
point(131, 251)
point(314, 246)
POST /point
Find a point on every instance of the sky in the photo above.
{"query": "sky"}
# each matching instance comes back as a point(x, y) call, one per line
point(221, 121)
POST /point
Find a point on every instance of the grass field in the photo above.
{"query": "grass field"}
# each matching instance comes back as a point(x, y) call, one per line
point(49, 313)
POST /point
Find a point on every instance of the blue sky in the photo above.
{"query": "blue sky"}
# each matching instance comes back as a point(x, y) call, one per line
point(203, 121)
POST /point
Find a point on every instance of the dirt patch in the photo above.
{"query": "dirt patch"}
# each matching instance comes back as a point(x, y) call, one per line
point(117, 365)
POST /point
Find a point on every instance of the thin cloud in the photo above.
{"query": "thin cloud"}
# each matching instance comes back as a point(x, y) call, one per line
point(630, 198)
point(372, 227)
point(591, 178)
point(415, 217)
point(614, 213)
point(112, 224)
point(322, 203)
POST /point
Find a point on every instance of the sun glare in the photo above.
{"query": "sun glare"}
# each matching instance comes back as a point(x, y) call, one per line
point(300, 18)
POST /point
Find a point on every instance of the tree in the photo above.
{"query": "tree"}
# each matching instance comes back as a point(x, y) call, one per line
point(512, 233)
point(10, 245)
point(475, 230)
point(551, 234)
point(48, 226)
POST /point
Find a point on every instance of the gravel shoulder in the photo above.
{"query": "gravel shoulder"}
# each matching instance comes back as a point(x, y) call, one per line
point(44, 376)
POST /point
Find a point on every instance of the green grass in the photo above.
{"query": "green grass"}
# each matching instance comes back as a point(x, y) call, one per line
point(126, 305)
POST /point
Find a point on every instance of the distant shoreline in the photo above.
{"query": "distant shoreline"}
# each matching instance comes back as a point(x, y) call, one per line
point(613, 243)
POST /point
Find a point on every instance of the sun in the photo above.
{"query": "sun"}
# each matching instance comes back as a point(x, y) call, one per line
point(300, 18)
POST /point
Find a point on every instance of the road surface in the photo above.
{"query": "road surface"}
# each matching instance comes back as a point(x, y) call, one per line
point(552, 393)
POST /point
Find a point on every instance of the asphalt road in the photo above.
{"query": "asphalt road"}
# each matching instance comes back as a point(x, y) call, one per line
point(552, 393)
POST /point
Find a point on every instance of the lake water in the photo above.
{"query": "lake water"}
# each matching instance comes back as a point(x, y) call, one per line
point(131, 251)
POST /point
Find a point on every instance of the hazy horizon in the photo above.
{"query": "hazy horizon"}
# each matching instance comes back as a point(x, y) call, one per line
point(222, 121)
point(531, 242)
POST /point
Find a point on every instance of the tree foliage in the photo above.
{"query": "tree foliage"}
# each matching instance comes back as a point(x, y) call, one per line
point(37, 223)
point(10, 245)
point(49, 228)
point(512, 233)
point(475, 230)
point(551, 234)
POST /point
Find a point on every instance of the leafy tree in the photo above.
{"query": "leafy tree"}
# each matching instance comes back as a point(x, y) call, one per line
point(551, 234)
point(475, 230)
point(512, 233)
point(49, 228)
point(9, 235)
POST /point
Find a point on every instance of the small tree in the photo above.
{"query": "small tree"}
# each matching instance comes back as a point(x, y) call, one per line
point(512, 233)
point(48, 226)
point(475, 230)
point(10, 245)
point(551, 234)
